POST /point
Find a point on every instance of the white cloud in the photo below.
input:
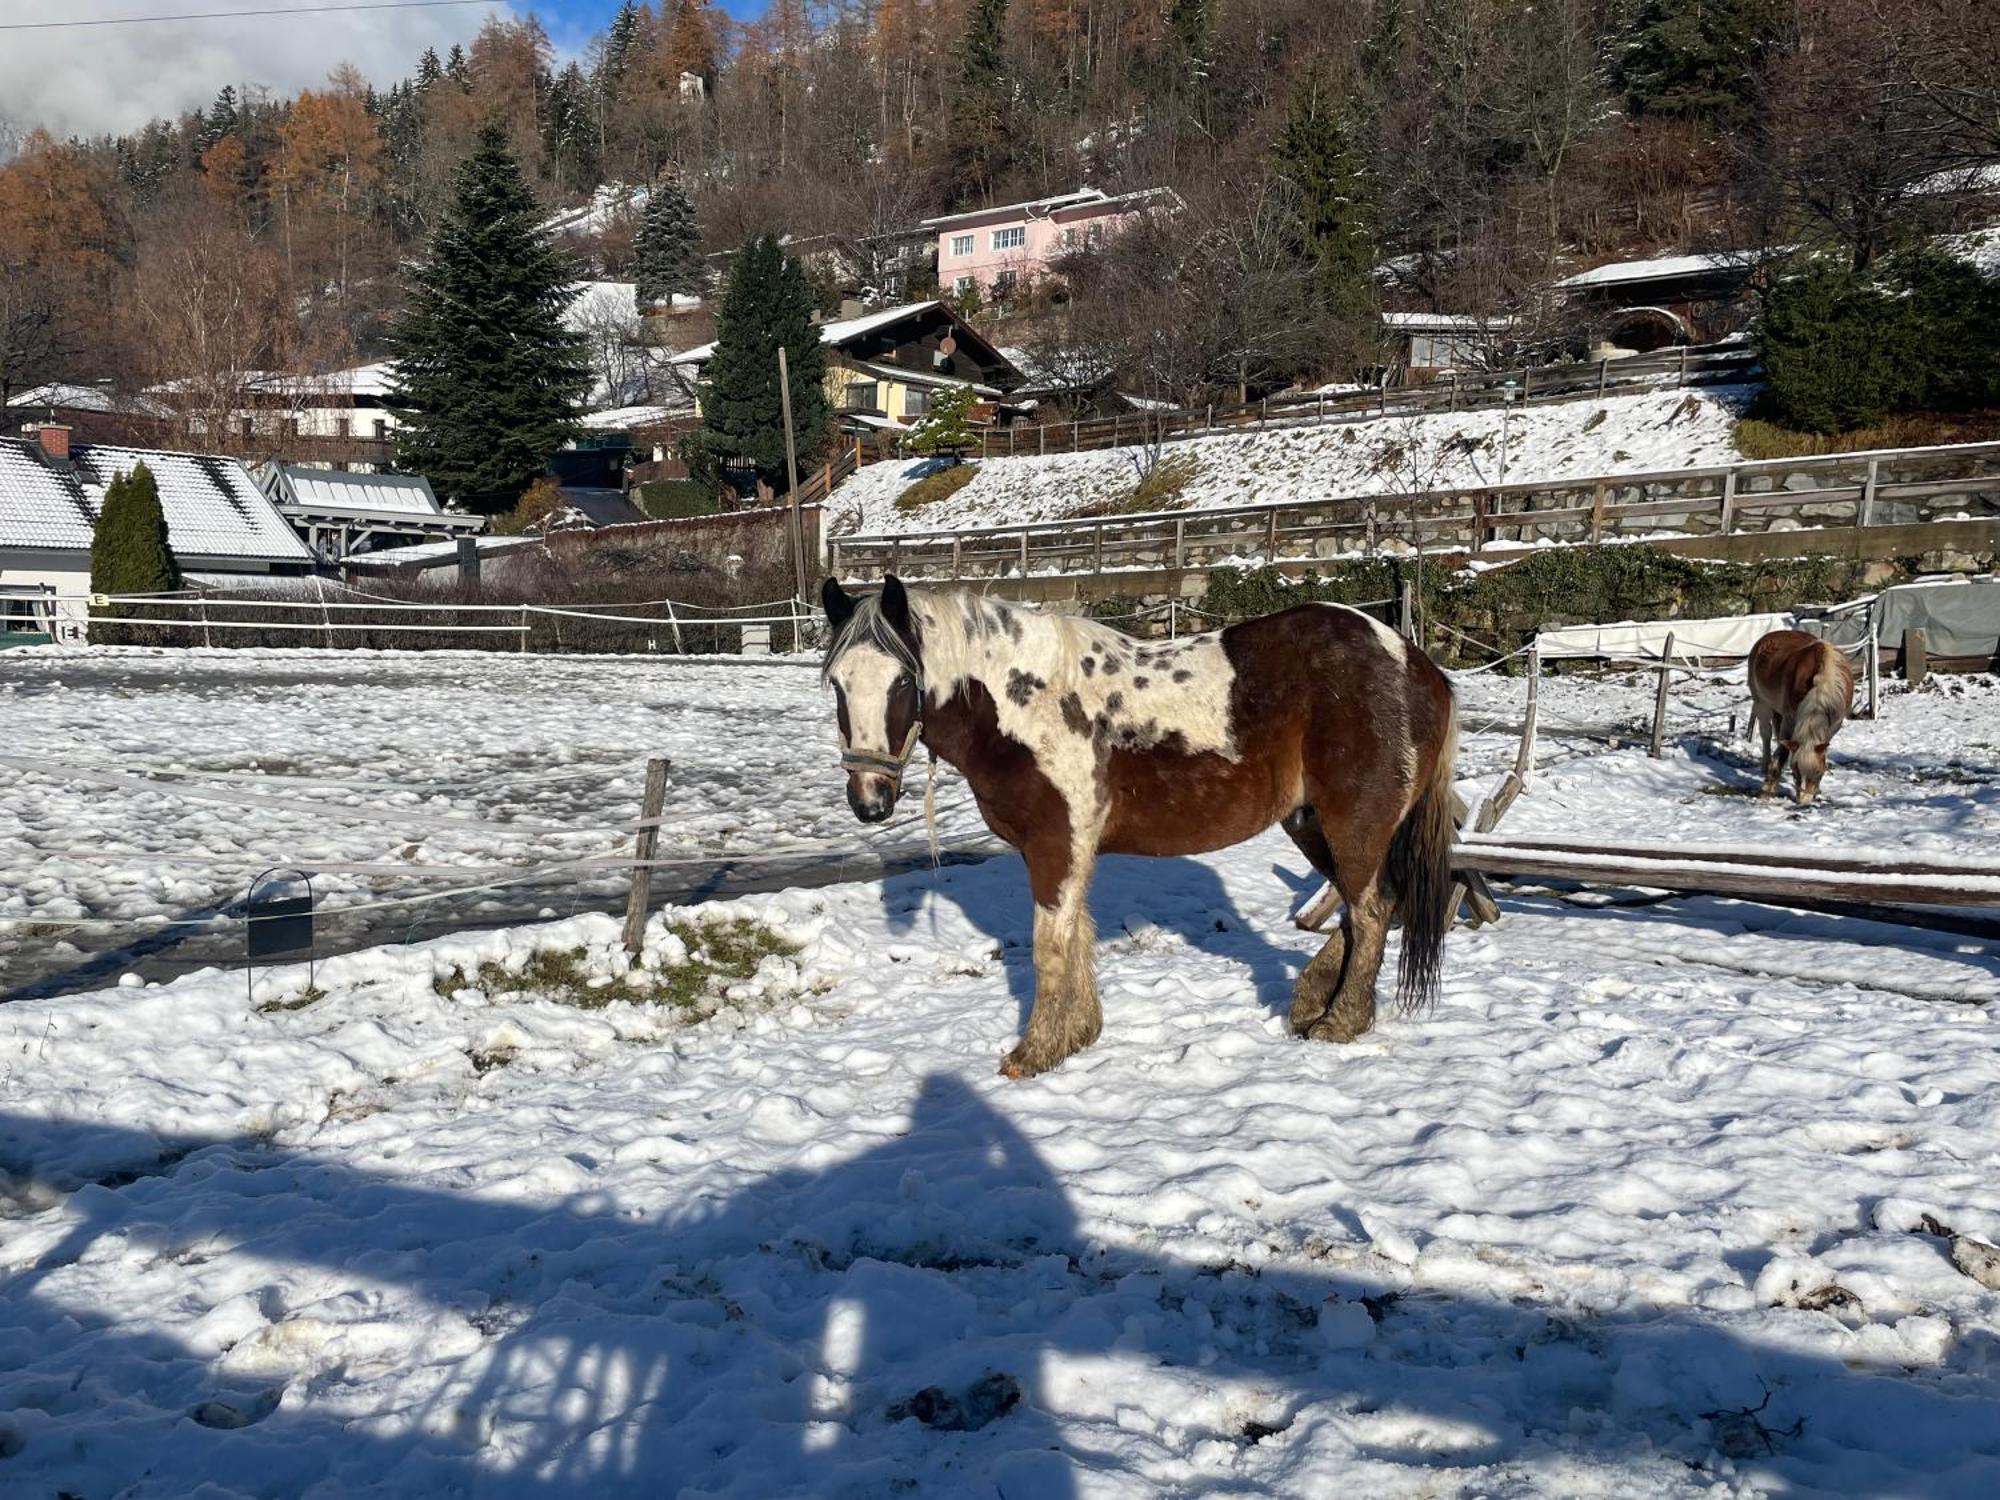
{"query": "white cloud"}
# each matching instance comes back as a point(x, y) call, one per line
point(87, 80)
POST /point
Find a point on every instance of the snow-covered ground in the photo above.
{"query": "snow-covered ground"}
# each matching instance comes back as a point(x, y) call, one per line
point(1666, 429)
point(1638, 1210)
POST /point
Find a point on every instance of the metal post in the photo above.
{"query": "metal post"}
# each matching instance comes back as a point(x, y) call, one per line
point(793, 534)
point(204, 619)
point(524, 627)
point(1660, 697)
point(1729, 502)
point(1173, 619)
point(642, 856)
point(1868, 493)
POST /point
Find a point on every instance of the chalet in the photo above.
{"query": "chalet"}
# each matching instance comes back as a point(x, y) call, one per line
point(218, 522)
point(883, 368)
point(1010, 246)
point(1422, 345)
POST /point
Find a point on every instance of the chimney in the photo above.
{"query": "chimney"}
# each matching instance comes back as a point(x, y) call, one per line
point(55, 442)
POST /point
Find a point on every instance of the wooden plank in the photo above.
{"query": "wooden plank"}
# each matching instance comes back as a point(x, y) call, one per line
point(1846, 864)
point(1756, 881)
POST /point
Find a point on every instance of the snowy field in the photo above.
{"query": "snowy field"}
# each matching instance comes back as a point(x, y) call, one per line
point(1669, 429)
point(1647, 1206)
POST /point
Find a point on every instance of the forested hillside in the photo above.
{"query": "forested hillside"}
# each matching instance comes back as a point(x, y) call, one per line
point(1479, 147)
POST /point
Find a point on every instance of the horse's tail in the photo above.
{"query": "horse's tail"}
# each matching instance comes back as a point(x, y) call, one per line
point(1420, 867)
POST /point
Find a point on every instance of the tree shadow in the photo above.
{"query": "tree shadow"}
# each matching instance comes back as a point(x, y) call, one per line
point(904, 1321)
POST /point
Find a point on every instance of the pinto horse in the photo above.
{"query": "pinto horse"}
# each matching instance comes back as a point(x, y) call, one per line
point(1801, 692)
point(1077, 740)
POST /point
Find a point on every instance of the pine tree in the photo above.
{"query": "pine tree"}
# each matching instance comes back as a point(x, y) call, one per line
point(488, 374)
point(667, 251)
point(456, 68)
point(569, 138)
point(619, 43)
point(1322, 158)
point(221, 120)
point(429, 69)
point(976, 143)
point(947, 427)
point(1192, 25)
point(765, 305)
point(1694, 59)
point(129, 553)
point(1838, 351)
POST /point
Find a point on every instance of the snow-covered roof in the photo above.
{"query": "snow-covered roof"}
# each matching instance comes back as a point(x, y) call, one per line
point(213, 508)
point(1093, 198)
point(1428, 322)
point(1663, 268)
point(829, 333)
point(333, 492)
point(75, 397)
point(432, 554)
point(377, 379)
point(625, 418)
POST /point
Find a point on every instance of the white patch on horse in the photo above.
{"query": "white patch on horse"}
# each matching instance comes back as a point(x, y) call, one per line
point(1393, 643)
point(864, 678)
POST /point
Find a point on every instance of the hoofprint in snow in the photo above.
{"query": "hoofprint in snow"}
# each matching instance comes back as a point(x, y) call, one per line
point(1649, 1205)
point(1667, 429)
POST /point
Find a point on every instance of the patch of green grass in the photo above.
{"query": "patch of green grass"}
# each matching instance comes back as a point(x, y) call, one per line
point(1758, 438)
point(312, 994)
point(938, 485)
point(718, 954)
point(1596, 420)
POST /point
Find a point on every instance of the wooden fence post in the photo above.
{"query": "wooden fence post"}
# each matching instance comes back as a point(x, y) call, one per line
point(1867, 511)
point(1874, 665)
point(1916, 661)
point(1603, 374)
point(1180, 542)
point(1684, 364)
point(642, 856)
point(1024, 552)
point(1660, 697)
point(1042, 440)
point(1729, 502)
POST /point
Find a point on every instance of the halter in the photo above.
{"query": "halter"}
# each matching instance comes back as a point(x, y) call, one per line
point(891, 766)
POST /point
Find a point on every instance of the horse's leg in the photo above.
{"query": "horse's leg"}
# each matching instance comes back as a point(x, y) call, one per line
point(1335, 997)
point(1066, 1016)
point(1301, 826)
point(1765, 725)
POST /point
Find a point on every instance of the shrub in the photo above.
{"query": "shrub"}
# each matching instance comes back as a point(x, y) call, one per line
point(542, 500)
point(129, 553)
point(946, 429)
point(672, 499)
point(939, 484)
point(1157, 488)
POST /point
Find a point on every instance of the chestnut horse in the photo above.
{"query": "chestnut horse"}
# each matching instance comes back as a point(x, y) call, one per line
point(1077, 740)
point(1801, 692)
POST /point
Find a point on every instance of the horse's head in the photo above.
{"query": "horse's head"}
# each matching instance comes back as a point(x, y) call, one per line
point(875, 664)
point(1808, 762)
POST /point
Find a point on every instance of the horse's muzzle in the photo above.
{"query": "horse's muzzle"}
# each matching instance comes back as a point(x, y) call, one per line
point(871, 796)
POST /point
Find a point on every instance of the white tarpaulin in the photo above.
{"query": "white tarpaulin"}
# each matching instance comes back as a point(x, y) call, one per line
point(1645, 640)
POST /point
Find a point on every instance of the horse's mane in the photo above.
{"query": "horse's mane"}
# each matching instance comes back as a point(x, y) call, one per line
point(951, 622)
point(1825, 705)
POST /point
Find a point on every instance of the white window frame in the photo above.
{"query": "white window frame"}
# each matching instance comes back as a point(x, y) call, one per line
point(963, 284)
point(1014, 237)
point(963, 244)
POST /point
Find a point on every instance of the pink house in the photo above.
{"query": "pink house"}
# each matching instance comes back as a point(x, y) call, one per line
point(998, 249)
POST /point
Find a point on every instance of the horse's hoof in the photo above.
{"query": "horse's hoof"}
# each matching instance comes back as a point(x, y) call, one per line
point(1330, 1029)
point(1014, 1065)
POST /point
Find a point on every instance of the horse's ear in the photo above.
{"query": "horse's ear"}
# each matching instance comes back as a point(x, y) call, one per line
point(896, 607)
point(837, 602)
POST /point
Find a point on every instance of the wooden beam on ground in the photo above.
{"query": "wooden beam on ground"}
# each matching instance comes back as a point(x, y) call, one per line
point(1774, 884)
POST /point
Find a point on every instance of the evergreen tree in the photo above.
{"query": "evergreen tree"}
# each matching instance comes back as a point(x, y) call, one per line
point(457, 69)
point(221, 120)
point(488, 374)
point(1695, 59)
point(129, 553)
point(1838, 352)
point(429, 69)
point(666, 253)
point(569, 138)
point(765, 305)
point(1322, 158)
point(619, 43)
point(947, 427)
point(977, 135)
point(1192, 25)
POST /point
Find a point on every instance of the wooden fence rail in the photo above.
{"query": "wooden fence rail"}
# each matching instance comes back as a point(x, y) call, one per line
point(1890, 487)
point(1707, 365)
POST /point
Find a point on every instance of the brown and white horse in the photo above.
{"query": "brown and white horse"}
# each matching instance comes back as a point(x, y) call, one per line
point(1078, 740)
point(1801, 692)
